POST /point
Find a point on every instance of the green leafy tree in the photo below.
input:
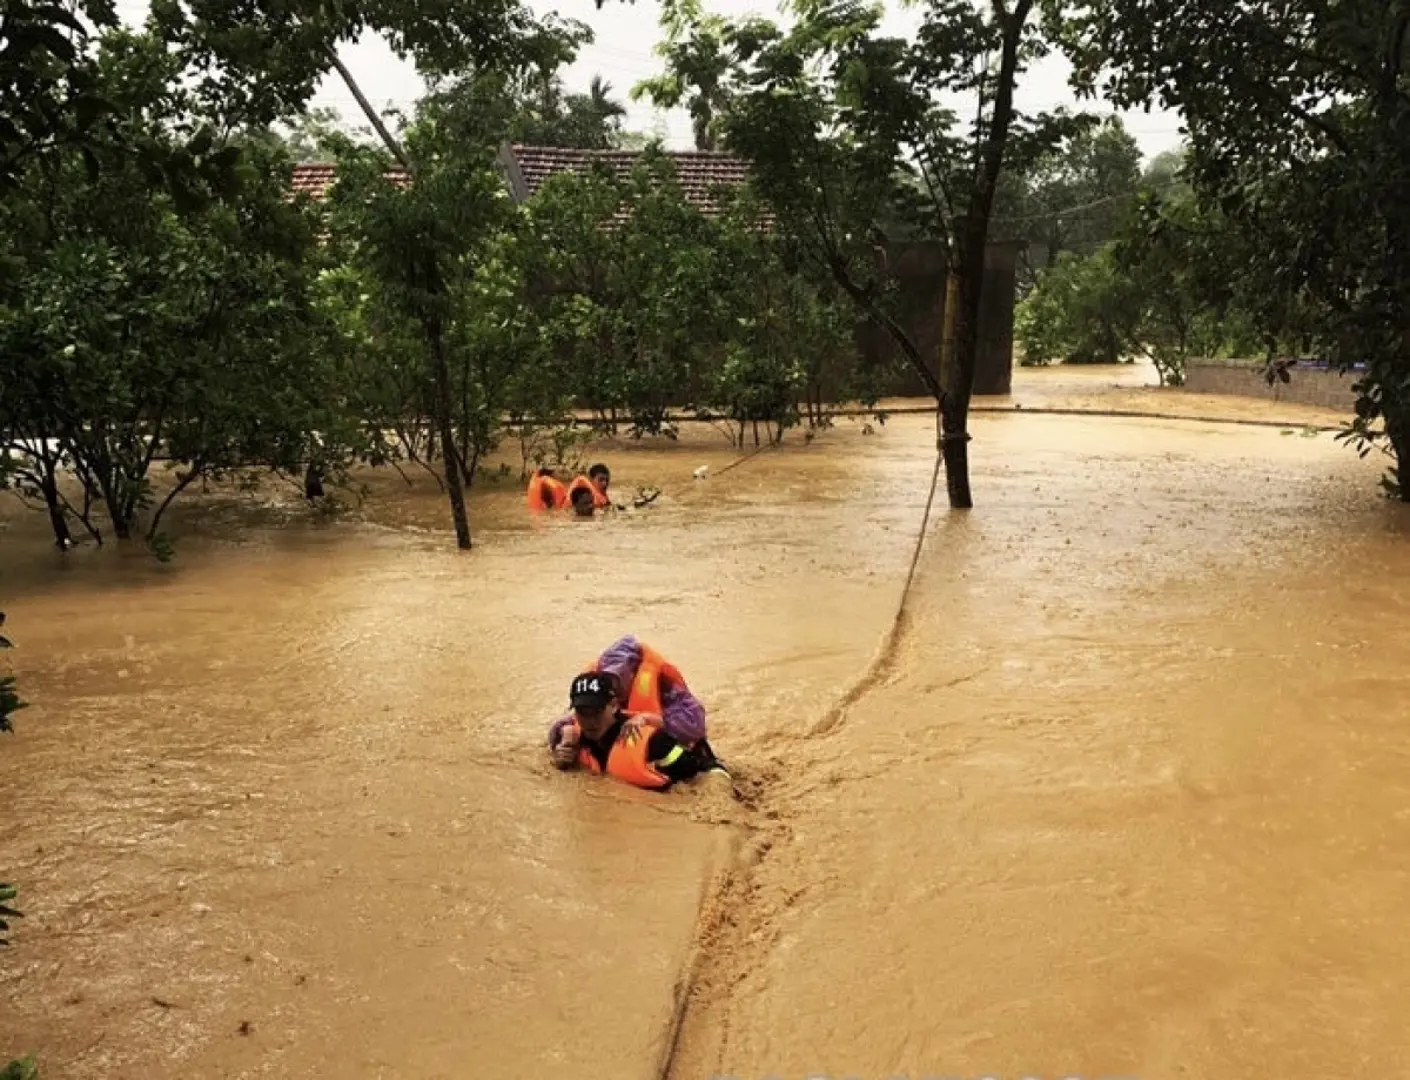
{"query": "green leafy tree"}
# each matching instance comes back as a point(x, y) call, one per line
point(309, 135)
point(1298, 114)
point(1166, 286)
point(699, 58)
point(144, 327)
point(10, 702)
point(1184, 264)
point(423, 245)
point(853, 137)
point(549, 116)
point(628, 281)
point(1165, 172)
point(261, 62)
point(1084, 310)
point(1075, 197)
point(48, 96)
point(789, 336)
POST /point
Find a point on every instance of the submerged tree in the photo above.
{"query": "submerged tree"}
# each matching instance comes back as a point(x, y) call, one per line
point(157, 323)
point(853, 139)
point(1298, 116)
point(425, 244)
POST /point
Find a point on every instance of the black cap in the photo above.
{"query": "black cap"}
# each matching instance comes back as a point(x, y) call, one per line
point(591, 691)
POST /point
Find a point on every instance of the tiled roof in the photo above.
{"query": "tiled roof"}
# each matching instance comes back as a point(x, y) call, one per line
point(700, 173)
point(315, 180)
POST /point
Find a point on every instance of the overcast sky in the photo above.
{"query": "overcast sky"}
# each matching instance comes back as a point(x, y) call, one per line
point(626, 34)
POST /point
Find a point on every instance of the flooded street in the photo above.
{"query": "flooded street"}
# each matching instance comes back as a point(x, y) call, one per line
point(1131, 797)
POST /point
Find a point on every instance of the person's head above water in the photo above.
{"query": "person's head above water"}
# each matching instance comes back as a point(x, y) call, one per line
point(601, 476)
point(594, 697)
point(582, 502)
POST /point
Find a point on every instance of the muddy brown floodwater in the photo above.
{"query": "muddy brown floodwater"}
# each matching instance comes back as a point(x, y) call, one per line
point(1131, 796)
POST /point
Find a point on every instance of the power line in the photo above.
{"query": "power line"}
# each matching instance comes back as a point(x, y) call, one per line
point(1066, 210)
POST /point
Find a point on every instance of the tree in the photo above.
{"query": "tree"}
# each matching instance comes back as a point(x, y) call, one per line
point(1074, 197)
point(310, 133)
point(852, 139)
point(1165, 171)
point(548, 116)
point(144, 326)
point(1298, 116)
point(1168, 285)
point(10, 702)
point(789, 335)
point(422, 243)
point(1084, 310)
point(51, 100)
point(261, 62)
point(417, 245)
point(47, 94)
point(629, 278)
point(698, 56)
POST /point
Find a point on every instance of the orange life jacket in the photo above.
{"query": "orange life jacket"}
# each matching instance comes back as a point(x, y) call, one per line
point(541, 486)
point(645, 693)
point(627, 760)
point(580, 483)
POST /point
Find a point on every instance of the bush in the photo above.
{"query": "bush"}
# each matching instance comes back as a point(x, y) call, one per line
point(1082, 311)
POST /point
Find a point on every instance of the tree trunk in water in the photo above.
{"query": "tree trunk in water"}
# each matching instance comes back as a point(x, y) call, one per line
point(1398, 432)
point(313, 482)
point(118, 512)
point(449, 454)
point(972, 238)
point(960, 347)
point(49, 485)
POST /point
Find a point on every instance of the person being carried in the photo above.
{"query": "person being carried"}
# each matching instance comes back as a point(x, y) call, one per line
point(654, 685)
point(635, 748)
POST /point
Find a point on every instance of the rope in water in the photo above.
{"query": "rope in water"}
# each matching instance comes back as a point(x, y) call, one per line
point(885, 657)
point(1136, 414)
point(1019, 410)
point(647, 496)
point(880, 663)
point(745, 457)
point(885, 654)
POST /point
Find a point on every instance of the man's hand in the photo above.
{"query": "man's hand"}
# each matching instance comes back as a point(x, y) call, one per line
point(565, 753)
point(633, 727)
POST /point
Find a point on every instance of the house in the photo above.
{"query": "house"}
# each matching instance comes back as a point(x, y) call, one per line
point(919, 266)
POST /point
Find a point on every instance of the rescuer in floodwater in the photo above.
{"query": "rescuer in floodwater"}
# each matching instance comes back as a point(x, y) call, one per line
point(546, 492)
point(634, 718)
point(595, 483)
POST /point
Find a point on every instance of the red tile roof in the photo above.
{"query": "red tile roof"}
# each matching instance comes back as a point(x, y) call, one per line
point(700, 173)
point(315, 180)
point(526, 168)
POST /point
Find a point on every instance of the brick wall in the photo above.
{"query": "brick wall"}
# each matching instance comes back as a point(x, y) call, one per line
point(1308, 386)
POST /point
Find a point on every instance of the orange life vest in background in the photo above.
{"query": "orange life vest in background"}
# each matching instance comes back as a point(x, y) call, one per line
point(644, 696)
point(627, 760)
point(599, 500)
point(541, 486)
